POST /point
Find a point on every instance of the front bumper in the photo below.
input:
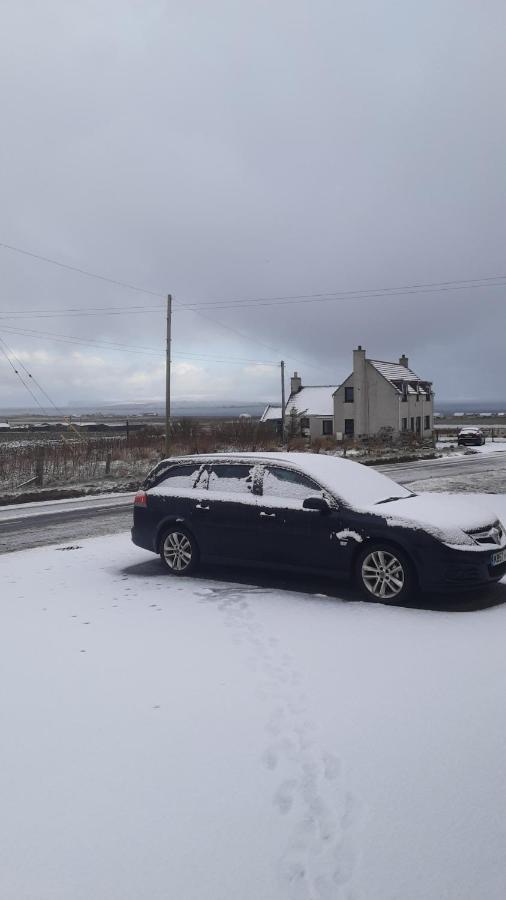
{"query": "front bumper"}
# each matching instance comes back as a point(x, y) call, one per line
point(460, 570)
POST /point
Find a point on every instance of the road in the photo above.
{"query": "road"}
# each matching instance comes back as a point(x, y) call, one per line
point(493, 464)
point(68, 521)
point(54, 522)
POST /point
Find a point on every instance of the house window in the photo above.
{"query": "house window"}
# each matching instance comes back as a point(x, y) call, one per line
point(404, 424)
point(412, 423)
point(327, 426)
point(418, 424)
point(349, 427)
point(348, 395)
point(304, 423)
point(428, 394)
point(427, 423)
point(418, 396)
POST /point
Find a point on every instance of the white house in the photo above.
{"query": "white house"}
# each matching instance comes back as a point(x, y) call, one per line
point(379, 395)
point(313, 406)
point(272, 413)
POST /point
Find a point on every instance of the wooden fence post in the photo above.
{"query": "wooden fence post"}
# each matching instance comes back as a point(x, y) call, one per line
point(39, 467)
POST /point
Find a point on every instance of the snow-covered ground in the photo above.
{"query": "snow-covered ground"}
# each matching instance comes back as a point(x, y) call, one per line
point(496, 446)
point(205, 739)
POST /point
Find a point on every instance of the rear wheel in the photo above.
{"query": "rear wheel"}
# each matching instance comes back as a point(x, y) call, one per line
point(178, 551)
point(385, 574)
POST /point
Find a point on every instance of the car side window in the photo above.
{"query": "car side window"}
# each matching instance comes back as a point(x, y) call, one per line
point(231, 479)
point(183, 476)
point(284, 483)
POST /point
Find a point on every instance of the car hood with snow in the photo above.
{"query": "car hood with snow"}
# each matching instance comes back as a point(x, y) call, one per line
point(453, 518)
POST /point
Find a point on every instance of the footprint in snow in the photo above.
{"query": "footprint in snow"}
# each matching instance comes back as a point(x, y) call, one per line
point(270, 758)
point(283, 798)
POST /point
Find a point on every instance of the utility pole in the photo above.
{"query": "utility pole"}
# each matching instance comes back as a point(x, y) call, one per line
point(167, 374)
point(283, 424)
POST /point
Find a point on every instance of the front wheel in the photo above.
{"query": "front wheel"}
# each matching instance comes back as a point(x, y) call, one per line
point(178, 551)
point(385, 574)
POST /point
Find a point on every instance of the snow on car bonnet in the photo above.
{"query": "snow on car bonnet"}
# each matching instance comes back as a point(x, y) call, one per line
point(446, 516)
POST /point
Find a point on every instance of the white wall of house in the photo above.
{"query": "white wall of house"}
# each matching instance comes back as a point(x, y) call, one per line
point(377, 404)
point(317, 429)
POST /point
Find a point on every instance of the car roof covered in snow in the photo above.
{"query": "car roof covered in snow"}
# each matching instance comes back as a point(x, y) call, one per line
point(357, 485)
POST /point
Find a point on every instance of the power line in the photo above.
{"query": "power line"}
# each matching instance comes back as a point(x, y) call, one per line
point(422, 287)
point(223, 303)
point(150, 351)
point(34, 380)
point(3, 347)
point(78, 313)
point(197, 307)
point(346, 296)
point(86, 272)
point(230, 328)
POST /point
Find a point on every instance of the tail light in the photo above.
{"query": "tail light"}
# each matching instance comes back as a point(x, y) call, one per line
point(141, 499)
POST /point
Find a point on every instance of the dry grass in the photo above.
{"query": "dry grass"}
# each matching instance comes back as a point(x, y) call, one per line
point(57, 462)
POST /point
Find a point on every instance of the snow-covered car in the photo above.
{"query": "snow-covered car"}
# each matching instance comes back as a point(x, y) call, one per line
point(470, 437)
point(316, 513)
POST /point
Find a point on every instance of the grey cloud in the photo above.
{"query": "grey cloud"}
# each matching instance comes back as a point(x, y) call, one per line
point(256, 149)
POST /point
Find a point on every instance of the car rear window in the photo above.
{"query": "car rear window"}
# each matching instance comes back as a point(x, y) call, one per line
point(284, 483)
point(231, 479)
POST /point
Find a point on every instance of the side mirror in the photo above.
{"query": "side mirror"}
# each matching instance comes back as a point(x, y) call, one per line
point(317, 503)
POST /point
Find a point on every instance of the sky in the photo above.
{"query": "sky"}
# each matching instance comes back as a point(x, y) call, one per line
point(239, 152)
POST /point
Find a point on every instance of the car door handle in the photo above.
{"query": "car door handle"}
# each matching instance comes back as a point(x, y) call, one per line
point(201, 506)
point(265, 515)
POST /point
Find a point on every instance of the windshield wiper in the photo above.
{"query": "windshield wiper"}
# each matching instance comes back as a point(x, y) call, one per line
point(389, 499)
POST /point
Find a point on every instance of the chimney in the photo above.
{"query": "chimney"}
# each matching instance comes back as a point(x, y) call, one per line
point(404, 361)
point(360, 392)
point(295, 383)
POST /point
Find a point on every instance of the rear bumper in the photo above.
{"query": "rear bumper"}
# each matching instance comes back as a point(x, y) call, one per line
point(142, 538)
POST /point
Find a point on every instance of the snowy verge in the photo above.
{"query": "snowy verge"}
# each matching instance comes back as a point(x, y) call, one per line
point(203, 739)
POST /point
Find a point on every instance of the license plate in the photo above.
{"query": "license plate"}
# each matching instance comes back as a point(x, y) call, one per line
point(498, 558)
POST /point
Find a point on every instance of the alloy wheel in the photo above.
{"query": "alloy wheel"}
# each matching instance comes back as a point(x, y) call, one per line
point(177, 551)
point(383, 574)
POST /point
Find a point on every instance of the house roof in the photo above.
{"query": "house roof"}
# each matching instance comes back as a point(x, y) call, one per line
point(395, 373)
point(313, 401)
point(271, 414)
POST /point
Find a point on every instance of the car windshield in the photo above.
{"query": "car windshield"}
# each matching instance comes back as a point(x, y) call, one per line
point(358, 486)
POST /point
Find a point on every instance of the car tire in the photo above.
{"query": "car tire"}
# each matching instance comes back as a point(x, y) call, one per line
point(385, 574)
point(179, 551)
